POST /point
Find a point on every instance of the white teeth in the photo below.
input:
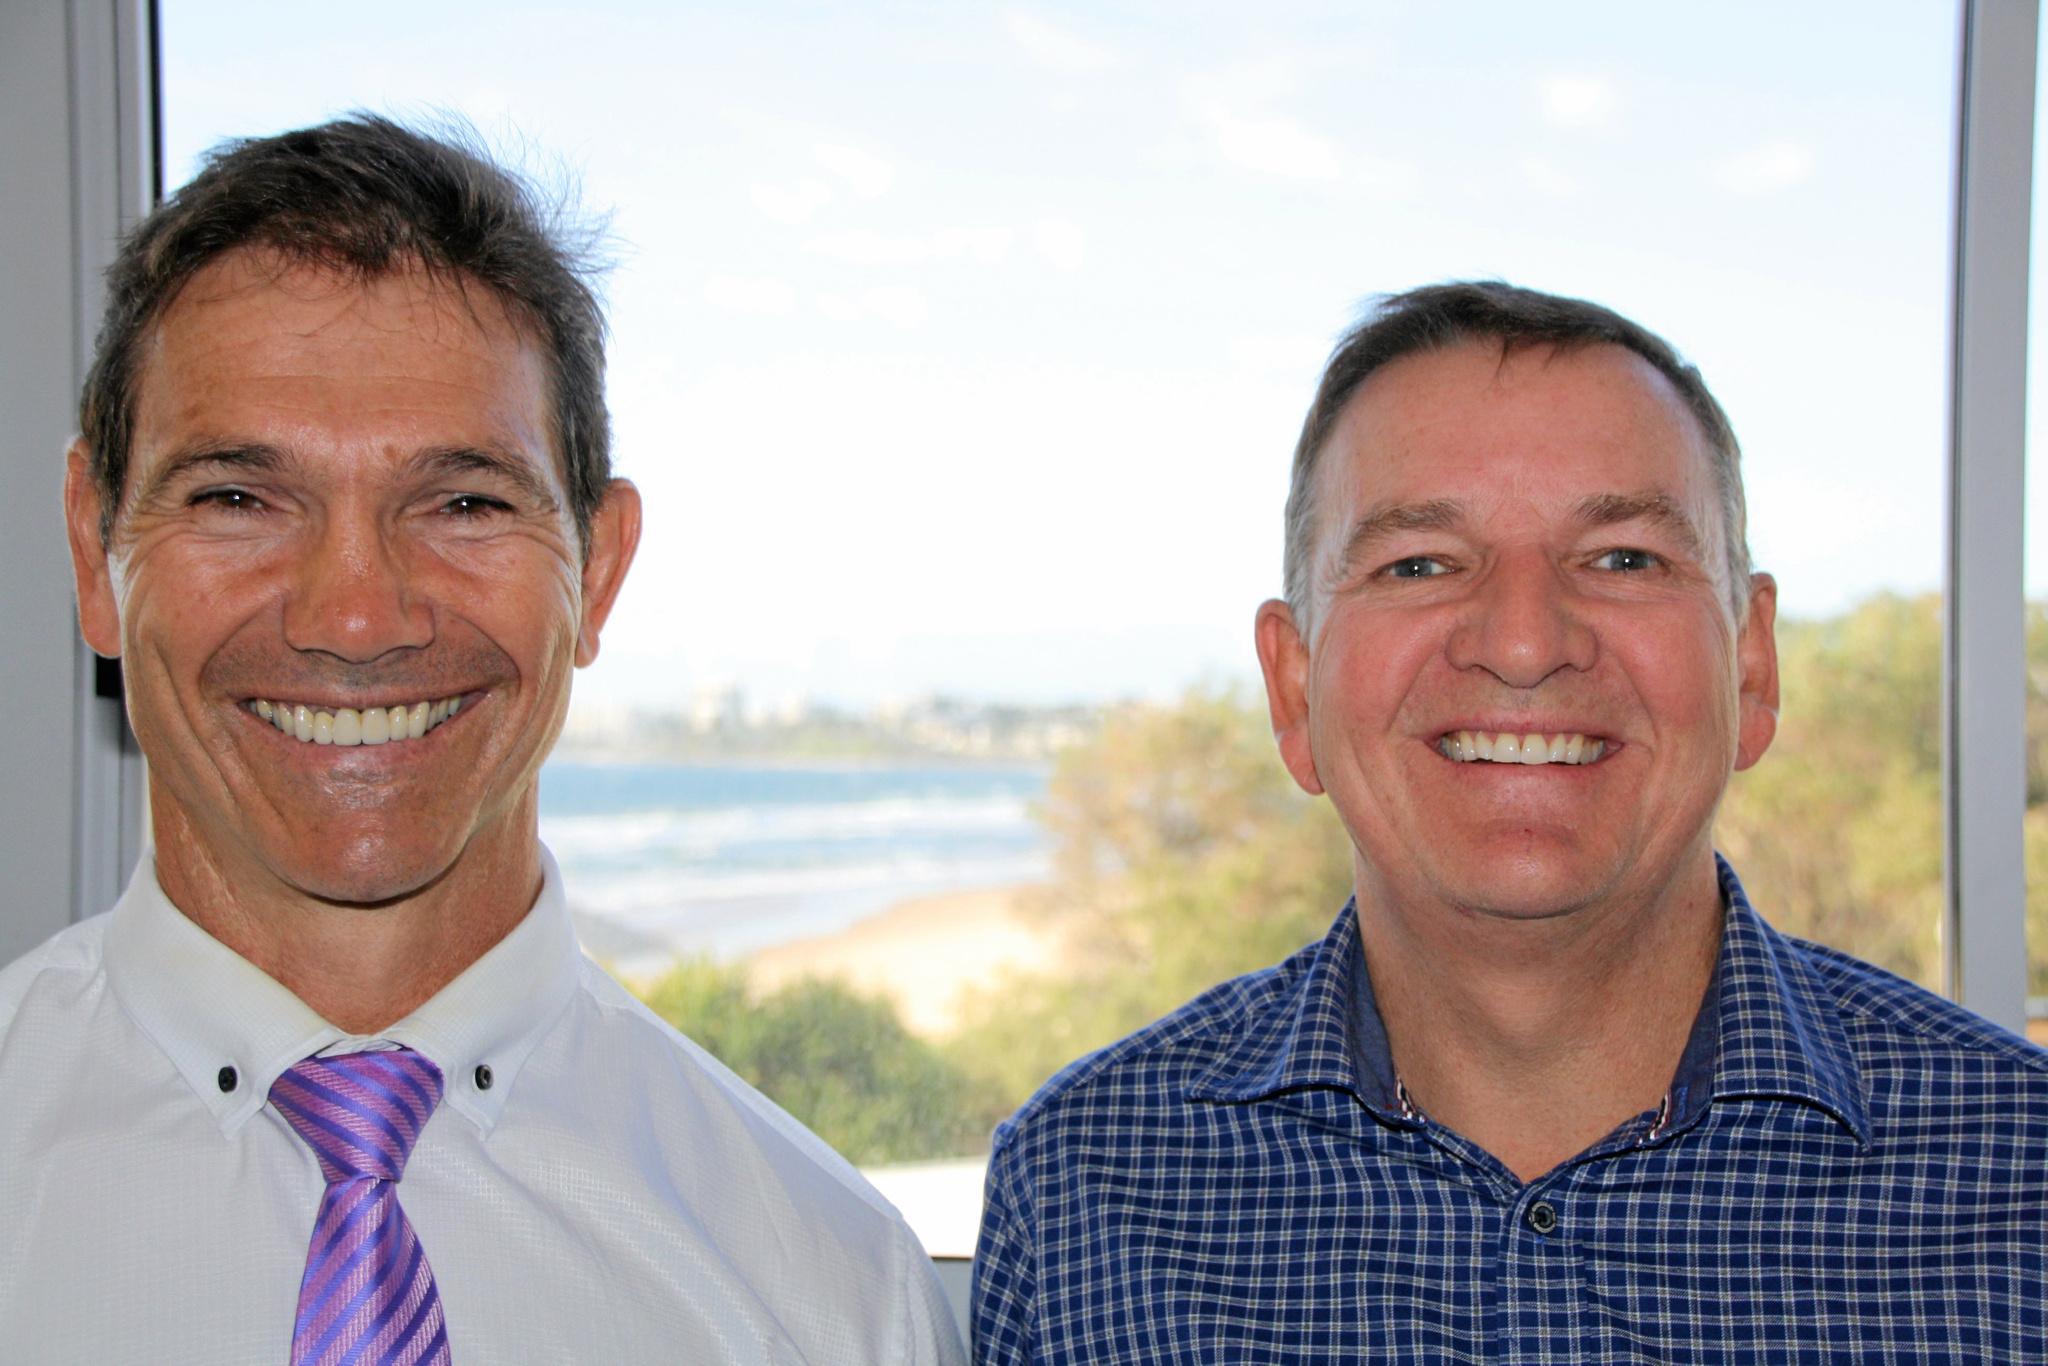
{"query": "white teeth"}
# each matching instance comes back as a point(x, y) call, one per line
point(1508, 747)
point(346, 726)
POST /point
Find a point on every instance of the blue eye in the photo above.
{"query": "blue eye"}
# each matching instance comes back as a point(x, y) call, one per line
point(1416, 567)
point(1627, 560)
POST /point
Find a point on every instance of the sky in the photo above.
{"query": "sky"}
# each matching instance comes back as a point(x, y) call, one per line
point(961, 347)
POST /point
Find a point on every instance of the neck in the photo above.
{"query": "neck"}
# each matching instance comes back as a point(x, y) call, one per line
point(1536, 1038)
point(362, 966)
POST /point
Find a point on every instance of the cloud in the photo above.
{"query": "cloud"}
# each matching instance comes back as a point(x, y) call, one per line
point(792, 204)
point(1273, 144)
point(1543, 177)
point(1238, 112)
point(757, 295)
point(979, 246)
point(893, 304)
point(866, 174)
point(1572, 101)
point(1056, 48)
point(1061, 244)
point(1770, 166)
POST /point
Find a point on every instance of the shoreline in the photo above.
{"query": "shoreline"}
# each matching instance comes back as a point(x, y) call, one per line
point(924, 953)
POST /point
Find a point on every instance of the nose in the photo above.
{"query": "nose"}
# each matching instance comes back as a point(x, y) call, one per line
point(1520, 625)
point(352, 595)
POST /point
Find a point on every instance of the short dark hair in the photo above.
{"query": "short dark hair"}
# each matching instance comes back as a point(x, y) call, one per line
point(365, 197)
point(1436, 317)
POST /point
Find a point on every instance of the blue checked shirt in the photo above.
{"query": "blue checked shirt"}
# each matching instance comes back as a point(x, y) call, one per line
point(1847, 1169)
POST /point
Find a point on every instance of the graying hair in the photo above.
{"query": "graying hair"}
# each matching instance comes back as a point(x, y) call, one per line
point(1437, 317)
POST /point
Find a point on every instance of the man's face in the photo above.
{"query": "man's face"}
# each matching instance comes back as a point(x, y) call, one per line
point(343, 497)
point(1507, 548)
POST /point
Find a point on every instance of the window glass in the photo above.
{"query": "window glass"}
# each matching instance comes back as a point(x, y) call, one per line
point(2037, 599)
point(959, 352)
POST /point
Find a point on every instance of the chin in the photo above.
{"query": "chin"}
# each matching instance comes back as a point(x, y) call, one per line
point(366, 876)
point(1524, 884)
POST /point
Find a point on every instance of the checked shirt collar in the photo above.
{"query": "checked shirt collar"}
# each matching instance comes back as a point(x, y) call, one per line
point(208, 1008)
point(1766, 1029)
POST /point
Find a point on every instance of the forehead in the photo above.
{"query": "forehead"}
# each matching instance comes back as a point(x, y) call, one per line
point(1538, 425)
point(300, 357)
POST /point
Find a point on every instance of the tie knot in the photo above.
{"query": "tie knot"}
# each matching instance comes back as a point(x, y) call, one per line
point(359, 1112)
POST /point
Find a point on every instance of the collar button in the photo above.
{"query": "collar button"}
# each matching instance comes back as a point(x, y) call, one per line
point(483, 1076)
point(228, 1079)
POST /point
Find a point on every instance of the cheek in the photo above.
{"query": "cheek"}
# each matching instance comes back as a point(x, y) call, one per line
point(1366, 674)
point(1686, 677)
point(178, 604)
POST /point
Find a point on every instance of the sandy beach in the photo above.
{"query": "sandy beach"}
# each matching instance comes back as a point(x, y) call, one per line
point(922, 952)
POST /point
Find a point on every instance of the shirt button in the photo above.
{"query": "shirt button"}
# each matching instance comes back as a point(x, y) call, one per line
point(1542, 1217)
point(227, 1079)
point(483, 1076)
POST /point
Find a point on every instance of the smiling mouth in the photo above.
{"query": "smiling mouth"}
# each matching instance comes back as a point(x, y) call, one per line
point(348, 726)
point(1510, 747)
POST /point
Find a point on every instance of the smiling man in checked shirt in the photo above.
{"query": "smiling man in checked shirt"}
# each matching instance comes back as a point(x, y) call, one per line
point(1550, 1089)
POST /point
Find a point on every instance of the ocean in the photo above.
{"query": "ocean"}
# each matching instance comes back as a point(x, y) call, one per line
point(661, 860)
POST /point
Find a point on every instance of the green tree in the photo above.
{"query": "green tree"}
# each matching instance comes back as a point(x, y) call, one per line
point(1184, 855)
point(1837, 831)
point(842, 1063)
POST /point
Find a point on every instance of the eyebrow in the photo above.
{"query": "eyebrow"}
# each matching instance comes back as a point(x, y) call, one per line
point(228, 458)
point(225, 457)
point(1658, 509)
point(1442, 514)
point(514, 469)
point(1436, 514)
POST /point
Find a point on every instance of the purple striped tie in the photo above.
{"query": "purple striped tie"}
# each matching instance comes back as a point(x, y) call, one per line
point(368, 1297)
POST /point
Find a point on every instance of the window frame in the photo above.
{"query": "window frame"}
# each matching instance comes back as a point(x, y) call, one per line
point(86, 73)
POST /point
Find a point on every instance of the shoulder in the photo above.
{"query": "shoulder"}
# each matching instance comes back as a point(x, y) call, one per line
point(784, 1208)
point(1887, 1019)
point(1152, 1069)
point(699, 1098)
point(54, 969)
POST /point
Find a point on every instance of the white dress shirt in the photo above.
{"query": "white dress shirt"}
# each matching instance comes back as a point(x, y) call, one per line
point(605, 1192)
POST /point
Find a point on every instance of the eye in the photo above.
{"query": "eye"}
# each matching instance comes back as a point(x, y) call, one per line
point(474, 505)
point(1416, 567)
point(228, 499)
point(1625, 559)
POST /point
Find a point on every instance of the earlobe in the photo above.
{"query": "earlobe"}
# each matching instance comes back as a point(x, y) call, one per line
point(99, 614)
point(1756, 650)
point(614, 537)
point(1283, 658)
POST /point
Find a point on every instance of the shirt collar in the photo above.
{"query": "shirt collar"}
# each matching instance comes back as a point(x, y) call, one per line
point(208, 1008)
point(1322, 1033)
point(1766, 1029)
point(1769, 1028)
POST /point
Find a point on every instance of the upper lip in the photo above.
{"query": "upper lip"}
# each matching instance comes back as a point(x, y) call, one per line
point(1524, 726)
point(393, 700)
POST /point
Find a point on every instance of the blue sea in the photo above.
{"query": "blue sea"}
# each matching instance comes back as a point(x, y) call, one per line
point(723, 859)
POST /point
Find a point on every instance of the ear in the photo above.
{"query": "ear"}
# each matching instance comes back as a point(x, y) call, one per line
point(1756, 652)
point(1283, 658)
point(99, 613)
point(614, 536)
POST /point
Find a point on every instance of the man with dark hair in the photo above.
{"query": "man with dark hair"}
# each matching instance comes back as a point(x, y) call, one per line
point(332, 1082)
point(1550, 1089)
